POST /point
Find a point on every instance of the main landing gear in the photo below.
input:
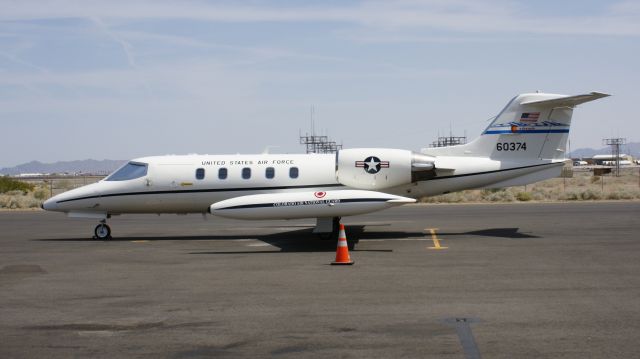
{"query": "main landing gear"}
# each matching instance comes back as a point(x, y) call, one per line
point(102, 231)
point(327, 228)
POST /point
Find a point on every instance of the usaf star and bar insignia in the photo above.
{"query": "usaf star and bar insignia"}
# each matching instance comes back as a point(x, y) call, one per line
point(372, 164)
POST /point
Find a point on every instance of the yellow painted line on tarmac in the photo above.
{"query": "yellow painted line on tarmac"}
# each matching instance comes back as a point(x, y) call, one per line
point(434, 238)
point(140, 241)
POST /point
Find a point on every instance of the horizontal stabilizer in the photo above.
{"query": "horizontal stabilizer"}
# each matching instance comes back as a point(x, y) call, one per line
point(569, 101)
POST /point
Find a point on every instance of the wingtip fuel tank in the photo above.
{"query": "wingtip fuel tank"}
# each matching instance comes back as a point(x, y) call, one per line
point(337, 203)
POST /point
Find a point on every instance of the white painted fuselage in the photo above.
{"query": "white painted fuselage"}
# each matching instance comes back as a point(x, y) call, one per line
point(171, 186)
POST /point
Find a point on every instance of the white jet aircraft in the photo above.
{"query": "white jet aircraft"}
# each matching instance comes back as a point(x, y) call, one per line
point(525, 143)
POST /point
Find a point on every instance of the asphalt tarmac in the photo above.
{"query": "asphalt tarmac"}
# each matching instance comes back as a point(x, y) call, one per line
point(557, 280)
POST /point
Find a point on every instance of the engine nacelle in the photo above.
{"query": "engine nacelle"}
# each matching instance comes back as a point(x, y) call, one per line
point(379, 168)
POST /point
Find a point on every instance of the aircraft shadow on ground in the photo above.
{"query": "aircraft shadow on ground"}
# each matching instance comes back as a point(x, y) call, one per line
point(513, 233)
point(304, 240)
point(299, 240)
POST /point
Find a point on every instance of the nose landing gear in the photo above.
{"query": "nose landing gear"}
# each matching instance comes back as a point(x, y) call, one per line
point(102, 231)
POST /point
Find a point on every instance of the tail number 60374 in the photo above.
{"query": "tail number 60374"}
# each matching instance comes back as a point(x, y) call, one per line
point(511, 146)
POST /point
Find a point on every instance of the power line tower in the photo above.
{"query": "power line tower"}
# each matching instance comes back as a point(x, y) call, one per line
point(615, 144)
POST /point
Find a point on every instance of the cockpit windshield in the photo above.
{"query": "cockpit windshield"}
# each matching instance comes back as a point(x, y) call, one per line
point(129, 171)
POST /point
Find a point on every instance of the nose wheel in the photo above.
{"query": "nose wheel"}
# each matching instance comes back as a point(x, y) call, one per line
point(102, 231)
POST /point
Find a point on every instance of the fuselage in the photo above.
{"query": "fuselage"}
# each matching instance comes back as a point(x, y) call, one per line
point(191, 183)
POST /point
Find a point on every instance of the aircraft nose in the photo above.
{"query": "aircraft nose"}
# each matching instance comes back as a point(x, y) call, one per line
point(49, 205)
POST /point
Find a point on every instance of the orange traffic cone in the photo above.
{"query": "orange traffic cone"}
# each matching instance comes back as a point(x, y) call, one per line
point(342, 252)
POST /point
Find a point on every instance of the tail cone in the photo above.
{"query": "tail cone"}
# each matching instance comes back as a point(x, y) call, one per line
point(342, 252)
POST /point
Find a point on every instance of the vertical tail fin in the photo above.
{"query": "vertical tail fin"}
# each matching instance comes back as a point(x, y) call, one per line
point(531, 126)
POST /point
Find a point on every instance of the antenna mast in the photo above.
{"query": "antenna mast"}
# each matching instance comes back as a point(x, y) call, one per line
point(315, 143)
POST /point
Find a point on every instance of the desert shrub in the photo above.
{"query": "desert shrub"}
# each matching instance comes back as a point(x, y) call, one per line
point(500, 196)
point(590, 194)
point(555, 193)
point(9, 184)
point(613, 195)
point(538, 196)
point(64, 184)
point(445, 198)
point(16, 193)
point(580, 181)
point(524, 196)
point(488, 191)
point(30, 202)
point(455, 197)
point(4, 201)
point(10, 202)
point(548, 183)
point(622, 194)
point(472, 196)
point(570, 196)
point(41, 193)
point(18, 201)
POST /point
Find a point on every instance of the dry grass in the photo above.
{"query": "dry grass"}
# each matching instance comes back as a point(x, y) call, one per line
point(40, 192)
point(19, 200)
point(582, 187)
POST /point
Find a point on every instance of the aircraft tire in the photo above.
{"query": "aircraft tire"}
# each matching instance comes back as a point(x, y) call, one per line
point(102, 231)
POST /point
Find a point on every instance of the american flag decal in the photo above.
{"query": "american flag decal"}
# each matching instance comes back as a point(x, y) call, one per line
point(530, 117)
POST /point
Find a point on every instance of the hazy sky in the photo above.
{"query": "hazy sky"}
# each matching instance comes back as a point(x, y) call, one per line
point(122, 79)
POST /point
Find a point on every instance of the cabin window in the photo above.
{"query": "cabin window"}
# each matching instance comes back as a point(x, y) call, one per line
point(293, 172)
point(270, 172)
point(200, 173)
point(222, 173)
point(246, 173)
point(129, 171)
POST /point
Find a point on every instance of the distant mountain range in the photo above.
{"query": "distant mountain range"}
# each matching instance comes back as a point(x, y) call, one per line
point(632, 149)
point(71, 167)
